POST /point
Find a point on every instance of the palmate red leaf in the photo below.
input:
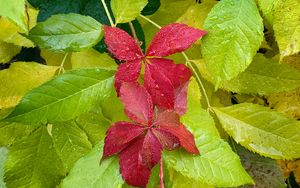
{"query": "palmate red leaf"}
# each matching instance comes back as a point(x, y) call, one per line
point(121, 44)
point(127, 72)
point(181, 98)
point(185, 137)
point(167, 139)
point(167, 118)
point(118, 137)
point(133, 171)
point(137, 102)
point(173, 38)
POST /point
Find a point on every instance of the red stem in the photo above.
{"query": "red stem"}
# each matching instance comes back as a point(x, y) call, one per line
point(161, 174)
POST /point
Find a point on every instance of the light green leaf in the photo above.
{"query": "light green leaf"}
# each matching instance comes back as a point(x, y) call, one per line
point(264, 171)
point(286, 26)
point(92, 58)
point(267, 7)
point(235, 32)
point(70, 142)
point(33, 162)
point(3, 157)
point(127, 10)
point(66, 32)
point(264, 76)
point(15, 11)
point(89, 173)
point(20, 78)
point(8, 51)
point(261, 130)
point(65, 97)
point(217, 165)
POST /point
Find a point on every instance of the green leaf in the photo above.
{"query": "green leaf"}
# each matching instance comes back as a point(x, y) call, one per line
point(33, 162)
point(88, 173)
point(3, 157)
point(264, 171)
point(264, 76)
point(15, 11)
point(66, 32)
point(235, 32)
point(70, 142)
point(8, 51)
point(65, 97)
point(127, 10)
point(217, 164)
point(261, 130)
point(20, 78)
point(286, 26)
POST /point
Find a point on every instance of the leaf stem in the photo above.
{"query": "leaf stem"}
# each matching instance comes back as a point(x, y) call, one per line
point(107, 13)
point(61, 67)
point(161, 173)
point(188, 63)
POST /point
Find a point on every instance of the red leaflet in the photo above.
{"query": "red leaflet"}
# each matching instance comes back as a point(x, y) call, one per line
point(121, 44)
point(173, 38)
point(162, 76)
point(181, 98)
point(140, 144)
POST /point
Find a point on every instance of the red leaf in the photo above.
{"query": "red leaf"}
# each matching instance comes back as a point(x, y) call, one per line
point(127, 72)
point(121, 44)
point(185, 137)
point(173, 38)
point(151, 152)
point(167, 118)
point(181, 98)
point(137, 102)
point(159, 86)
point(167, 139)
point(119, 136)
point(176, 73)
point(132, 169)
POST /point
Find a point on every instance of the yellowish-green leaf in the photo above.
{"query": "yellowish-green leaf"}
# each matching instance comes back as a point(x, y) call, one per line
point(15, 11)
point(127, 10)
point(56, 58)
point(92, 58)
point(8, 51)
point(261, 130)
point(235, 32)
point(286, 25)
point(33, 162)
point(20, 78)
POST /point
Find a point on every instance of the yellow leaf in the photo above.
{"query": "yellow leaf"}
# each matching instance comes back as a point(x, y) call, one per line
point(291, 166)
point(55, 58)
point(20, 78)
point(92, 58)
point(8, 51)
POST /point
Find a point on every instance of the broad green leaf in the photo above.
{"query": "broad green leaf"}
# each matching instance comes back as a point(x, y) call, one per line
point(70, 142)
point(89, 173)
point(33, 162)
point(8, 51)
point(94, 124)
point(92, 58)
point(65, 97)
point(261, 130)
point(264, 171)
point(267, 8)
point(286, 26)
point(127, 10)
point(235, 32)
point(3, 157)
point(264, 76)
point(15, 11)
point(66, 32)
point(20, 78)
point(217, 165)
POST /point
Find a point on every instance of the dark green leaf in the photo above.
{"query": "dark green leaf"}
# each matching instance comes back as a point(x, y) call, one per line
point(151, 7)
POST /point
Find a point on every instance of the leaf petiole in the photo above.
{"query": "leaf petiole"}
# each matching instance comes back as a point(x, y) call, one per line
point(107, 13)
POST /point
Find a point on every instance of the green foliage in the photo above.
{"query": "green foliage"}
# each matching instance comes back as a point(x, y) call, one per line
point(235, 32)
point(3, 156)
point(65, 97)
point(258, 128)
point(66, 32)
point(88, 172)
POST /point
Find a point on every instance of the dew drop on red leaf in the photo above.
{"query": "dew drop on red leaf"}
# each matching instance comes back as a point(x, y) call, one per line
point(121, 44)
point(137, 102)
point(173, 38)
